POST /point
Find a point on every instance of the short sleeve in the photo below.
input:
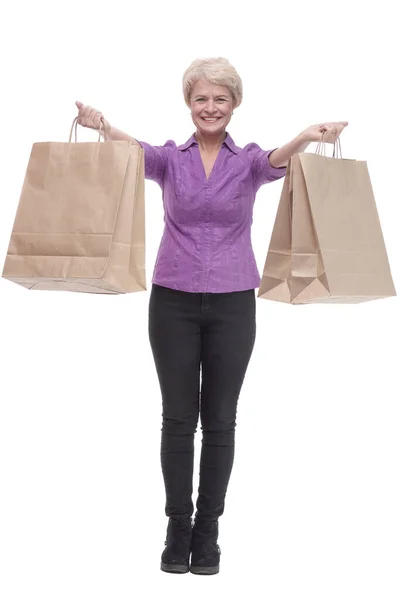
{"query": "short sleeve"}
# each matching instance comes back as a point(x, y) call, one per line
point(155, 161)
point(262, 170)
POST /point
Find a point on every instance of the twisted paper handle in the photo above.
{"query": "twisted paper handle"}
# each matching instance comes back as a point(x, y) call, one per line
point(337, 146)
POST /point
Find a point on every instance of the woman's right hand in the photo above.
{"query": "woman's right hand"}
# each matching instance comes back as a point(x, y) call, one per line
point(90, 117)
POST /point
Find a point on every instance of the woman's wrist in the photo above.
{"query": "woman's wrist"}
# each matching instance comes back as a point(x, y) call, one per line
point(114, 134)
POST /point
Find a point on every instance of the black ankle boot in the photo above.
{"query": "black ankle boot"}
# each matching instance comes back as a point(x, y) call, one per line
point(205, 550)
point(175, 558)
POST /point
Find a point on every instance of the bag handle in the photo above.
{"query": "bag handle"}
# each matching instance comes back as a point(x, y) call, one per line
point(75, 124)
point(337, 146)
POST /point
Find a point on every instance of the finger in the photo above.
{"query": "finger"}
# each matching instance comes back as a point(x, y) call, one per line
point(86, 111)
point(78, 104)
point(99, 117)
point(94, 117)
point(85, 115)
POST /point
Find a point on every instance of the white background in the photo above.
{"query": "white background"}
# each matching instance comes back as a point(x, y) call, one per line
point(312, 505)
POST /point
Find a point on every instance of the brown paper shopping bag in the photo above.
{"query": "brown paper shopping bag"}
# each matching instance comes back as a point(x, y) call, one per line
point(327, 244)
point(80, 222)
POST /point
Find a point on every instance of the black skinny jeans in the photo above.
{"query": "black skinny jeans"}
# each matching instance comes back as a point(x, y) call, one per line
point(214, 333)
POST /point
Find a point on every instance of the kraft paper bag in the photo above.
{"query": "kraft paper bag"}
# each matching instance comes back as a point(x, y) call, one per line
point(80, 222)
point(327, 244)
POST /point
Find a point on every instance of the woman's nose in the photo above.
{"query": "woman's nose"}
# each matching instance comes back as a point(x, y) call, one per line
point(210, 107)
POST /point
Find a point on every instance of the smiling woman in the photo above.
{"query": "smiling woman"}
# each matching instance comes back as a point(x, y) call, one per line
point(202, 314)
point(212, 89)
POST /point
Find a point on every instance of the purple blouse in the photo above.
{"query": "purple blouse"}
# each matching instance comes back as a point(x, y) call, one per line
point(206, 244)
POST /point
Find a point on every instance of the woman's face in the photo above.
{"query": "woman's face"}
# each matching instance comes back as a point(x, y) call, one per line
point(211, 107)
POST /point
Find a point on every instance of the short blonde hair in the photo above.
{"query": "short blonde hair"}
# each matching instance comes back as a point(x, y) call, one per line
point(217, 71)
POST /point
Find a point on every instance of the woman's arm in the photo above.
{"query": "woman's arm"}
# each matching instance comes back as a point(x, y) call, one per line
point(331, 132)
point(155, 157)
point(114, 134)
point(280, 156)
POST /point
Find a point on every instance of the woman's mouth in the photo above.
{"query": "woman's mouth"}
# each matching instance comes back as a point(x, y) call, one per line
point(210, 119)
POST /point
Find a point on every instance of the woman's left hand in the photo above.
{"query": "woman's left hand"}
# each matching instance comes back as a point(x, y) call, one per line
point(333, 130)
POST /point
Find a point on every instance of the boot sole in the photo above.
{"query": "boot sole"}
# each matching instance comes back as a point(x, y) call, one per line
point(204, 570)
point(174, 568)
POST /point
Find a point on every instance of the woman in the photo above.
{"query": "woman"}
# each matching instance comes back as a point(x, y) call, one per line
point(202, 303)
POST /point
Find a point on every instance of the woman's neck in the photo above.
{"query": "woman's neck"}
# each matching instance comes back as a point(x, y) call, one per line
point(210, 143)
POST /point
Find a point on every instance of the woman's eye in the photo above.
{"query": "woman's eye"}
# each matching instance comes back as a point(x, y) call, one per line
point(218, 100)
